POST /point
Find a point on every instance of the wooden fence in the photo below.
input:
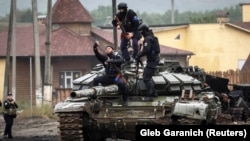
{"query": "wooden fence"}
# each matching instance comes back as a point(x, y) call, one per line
point(60, 95)
point(234, 76)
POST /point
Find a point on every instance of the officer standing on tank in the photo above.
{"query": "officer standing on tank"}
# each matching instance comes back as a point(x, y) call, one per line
point(152, 60)
point(129, 20)
point(9, 113)
point(112, 63)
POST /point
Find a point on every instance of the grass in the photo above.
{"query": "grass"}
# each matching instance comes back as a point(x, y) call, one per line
point(44, 111)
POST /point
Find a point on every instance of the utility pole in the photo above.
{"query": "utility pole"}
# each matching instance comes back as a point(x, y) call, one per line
point(172, 4)
point(47, 77)
point(37, 55)
point(114, 28)
point(14, 51)
point(9, 42)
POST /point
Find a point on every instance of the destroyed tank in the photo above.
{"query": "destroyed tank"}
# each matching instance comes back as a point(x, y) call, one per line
point(97, 113)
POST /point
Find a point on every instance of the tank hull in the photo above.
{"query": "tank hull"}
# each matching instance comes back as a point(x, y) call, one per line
point(96, 113)
point(97, 121)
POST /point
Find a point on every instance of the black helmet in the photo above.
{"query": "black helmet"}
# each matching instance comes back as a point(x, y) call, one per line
point(122, 5)
point(143, 27)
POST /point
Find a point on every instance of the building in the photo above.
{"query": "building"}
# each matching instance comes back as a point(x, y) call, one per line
point(217, 47)
point(72, 55)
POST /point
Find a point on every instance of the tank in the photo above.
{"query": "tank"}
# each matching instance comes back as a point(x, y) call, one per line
point(97, 113)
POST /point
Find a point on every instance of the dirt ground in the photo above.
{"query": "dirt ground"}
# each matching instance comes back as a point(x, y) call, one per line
point(32, 129)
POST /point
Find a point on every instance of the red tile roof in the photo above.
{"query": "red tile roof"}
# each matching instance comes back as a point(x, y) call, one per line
point(64, 42)
point(70, 11)
point(242, 25)
point(106, 34)
point(67, 43)
point(24, 40)
point(167, 50)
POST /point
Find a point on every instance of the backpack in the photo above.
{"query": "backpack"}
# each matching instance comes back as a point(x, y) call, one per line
point(156, 46)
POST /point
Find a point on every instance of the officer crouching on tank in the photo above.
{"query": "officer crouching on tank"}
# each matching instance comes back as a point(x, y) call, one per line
point(151, 51)
point(112, 63)
point(9, 113)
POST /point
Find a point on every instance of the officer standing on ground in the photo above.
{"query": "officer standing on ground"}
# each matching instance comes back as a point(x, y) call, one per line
point(112, 63)
point(128, 19)
point(151, 50)
point(9, 113)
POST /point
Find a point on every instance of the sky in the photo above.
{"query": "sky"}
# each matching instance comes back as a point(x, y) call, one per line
point(149, 6)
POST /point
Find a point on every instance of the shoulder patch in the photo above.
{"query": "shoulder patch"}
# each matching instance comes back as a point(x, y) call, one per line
point(145, 44)
point(135, 18)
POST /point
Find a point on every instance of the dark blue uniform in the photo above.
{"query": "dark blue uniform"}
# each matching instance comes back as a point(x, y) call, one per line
point(112, 69)
point(130, 22)
point(9, 116)
point(152, 61)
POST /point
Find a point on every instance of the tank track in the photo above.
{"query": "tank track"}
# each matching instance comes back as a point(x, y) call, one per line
point(71, 126)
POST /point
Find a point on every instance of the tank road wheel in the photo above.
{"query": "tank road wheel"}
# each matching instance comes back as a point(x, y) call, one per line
point(71, 126)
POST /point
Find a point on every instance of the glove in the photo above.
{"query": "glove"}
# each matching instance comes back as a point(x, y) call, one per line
point(95, 46)
point(114, 23)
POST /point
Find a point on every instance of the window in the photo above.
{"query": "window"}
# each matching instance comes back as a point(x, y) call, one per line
point(178, 37)
point(67, 77)
point(241, 63)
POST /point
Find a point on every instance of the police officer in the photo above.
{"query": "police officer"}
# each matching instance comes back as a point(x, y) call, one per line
point(127, 19)
point(9, 113)
point(112, 63)
point(149, 50)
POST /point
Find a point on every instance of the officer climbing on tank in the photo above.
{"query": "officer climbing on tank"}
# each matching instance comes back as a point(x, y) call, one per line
point(151, 49)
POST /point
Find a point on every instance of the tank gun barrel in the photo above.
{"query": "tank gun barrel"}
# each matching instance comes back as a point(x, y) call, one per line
point(97, 90)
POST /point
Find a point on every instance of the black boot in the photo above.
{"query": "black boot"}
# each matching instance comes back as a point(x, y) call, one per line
point(124, 99)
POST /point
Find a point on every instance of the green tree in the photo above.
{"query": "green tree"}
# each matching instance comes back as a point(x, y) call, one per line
point(101, 15)
point(21, 16)
point(24, 16)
